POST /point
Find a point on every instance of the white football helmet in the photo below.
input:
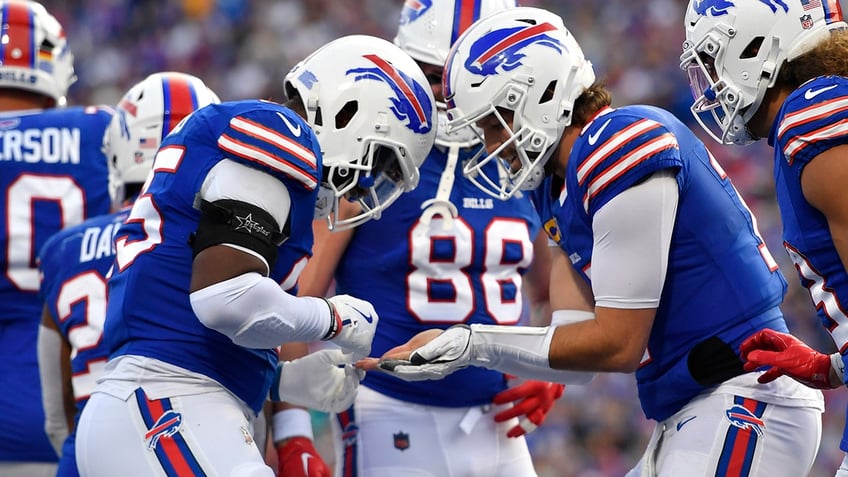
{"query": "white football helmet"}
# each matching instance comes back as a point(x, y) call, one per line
point(734, 50)
point(142, 119)
point(526, 61)
point(426, 32)
point(374, 115)
point(34, 53)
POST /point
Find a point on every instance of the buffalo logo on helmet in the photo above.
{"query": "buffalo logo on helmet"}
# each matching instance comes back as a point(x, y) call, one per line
point(742, 418)
point(773, 4)
point(413, 9)
point(410, 102)
point(715, 8)
point(503, 48)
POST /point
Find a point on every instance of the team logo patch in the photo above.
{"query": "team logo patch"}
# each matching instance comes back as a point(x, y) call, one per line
point(409, 103)
point(742, 418)
point(350, 434)
point(401, 440)
point(413, 9)
point(165, 427)
point(501, 50)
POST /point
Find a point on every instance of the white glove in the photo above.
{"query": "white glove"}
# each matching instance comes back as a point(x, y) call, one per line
point(519, 350)
point(324, 380)
point(447, 353)
point(357, 322)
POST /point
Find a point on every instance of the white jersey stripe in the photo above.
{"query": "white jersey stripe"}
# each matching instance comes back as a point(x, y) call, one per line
point(274, 138)
point(823, 297)
point(629, 161)
point(800, 142)
point(611, 145)
point(262, 157)
point(811, 113)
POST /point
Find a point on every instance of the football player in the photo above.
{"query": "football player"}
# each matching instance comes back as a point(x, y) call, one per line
point(223, 226)
point(75, 262)
point(445, 253)
point(776, 70)
point(660, 270)
point(52, 175)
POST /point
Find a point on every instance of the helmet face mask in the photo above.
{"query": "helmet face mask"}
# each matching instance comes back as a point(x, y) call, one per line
point(734, 51)
point(522, 60)
point(143, 118)
point(374, 115)
point(34, 55)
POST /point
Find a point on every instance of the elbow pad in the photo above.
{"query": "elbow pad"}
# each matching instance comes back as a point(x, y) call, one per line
point(254, 312)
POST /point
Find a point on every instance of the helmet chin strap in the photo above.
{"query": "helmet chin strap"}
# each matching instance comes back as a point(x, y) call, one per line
point(441, 204)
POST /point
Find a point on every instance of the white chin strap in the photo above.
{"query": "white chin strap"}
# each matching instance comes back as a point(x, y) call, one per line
point(441, 204)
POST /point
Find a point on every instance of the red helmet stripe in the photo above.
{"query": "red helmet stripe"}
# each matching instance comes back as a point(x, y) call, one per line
point(180, 100)
point(19, 32)
point(516, 37)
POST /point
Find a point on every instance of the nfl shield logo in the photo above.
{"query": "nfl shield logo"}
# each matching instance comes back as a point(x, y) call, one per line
point(401, 440)
point(806, 22)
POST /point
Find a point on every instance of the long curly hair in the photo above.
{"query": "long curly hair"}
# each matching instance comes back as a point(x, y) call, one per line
point(590, 102)
point(830, 57)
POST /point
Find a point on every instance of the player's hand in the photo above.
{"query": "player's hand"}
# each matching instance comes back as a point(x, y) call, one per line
point(531, 402)
point(438, 355)
point(297, 457)
point(324, 380)
point(358, 322)
point(786, 354)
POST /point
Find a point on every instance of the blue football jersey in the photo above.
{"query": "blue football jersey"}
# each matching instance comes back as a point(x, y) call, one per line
point(75, 264)
point(52, 175)
point(420, 277)
point(546, 200)
point(811, 121)
point(149, 311)
point(721, 280)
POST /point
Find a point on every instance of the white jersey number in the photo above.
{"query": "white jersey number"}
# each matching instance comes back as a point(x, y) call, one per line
point(498, 273)
point(90, 288)
point(23, 194)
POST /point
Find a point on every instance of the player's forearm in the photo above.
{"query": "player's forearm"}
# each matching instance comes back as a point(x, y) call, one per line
point(49, 365)
point(255, 312)
point(613, 341)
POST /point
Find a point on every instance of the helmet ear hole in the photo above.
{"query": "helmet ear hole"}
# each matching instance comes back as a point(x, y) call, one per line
point(548, 94)
point(753, 48)
point(346, 114)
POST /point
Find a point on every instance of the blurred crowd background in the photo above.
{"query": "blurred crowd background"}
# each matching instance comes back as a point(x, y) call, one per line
point(242, 49)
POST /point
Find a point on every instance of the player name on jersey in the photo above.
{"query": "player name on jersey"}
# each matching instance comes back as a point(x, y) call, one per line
point(98, 242)
point(48, 145)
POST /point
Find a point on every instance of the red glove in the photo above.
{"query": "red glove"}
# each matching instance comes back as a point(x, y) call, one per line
point(532, 401)
point(298, 458)
point(785, 354)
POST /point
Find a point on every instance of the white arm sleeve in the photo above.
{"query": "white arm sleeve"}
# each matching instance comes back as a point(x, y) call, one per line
point(632, 239)
point(228, 180)
point(52, 399)
point(522, 351)
point(255, 312)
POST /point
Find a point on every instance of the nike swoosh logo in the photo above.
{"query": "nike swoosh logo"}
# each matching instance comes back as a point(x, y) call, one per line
point(368, 318)
point(593, 138)
point(811, 93)
point(294, 128)
point(304, 459)
point(684, 422)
